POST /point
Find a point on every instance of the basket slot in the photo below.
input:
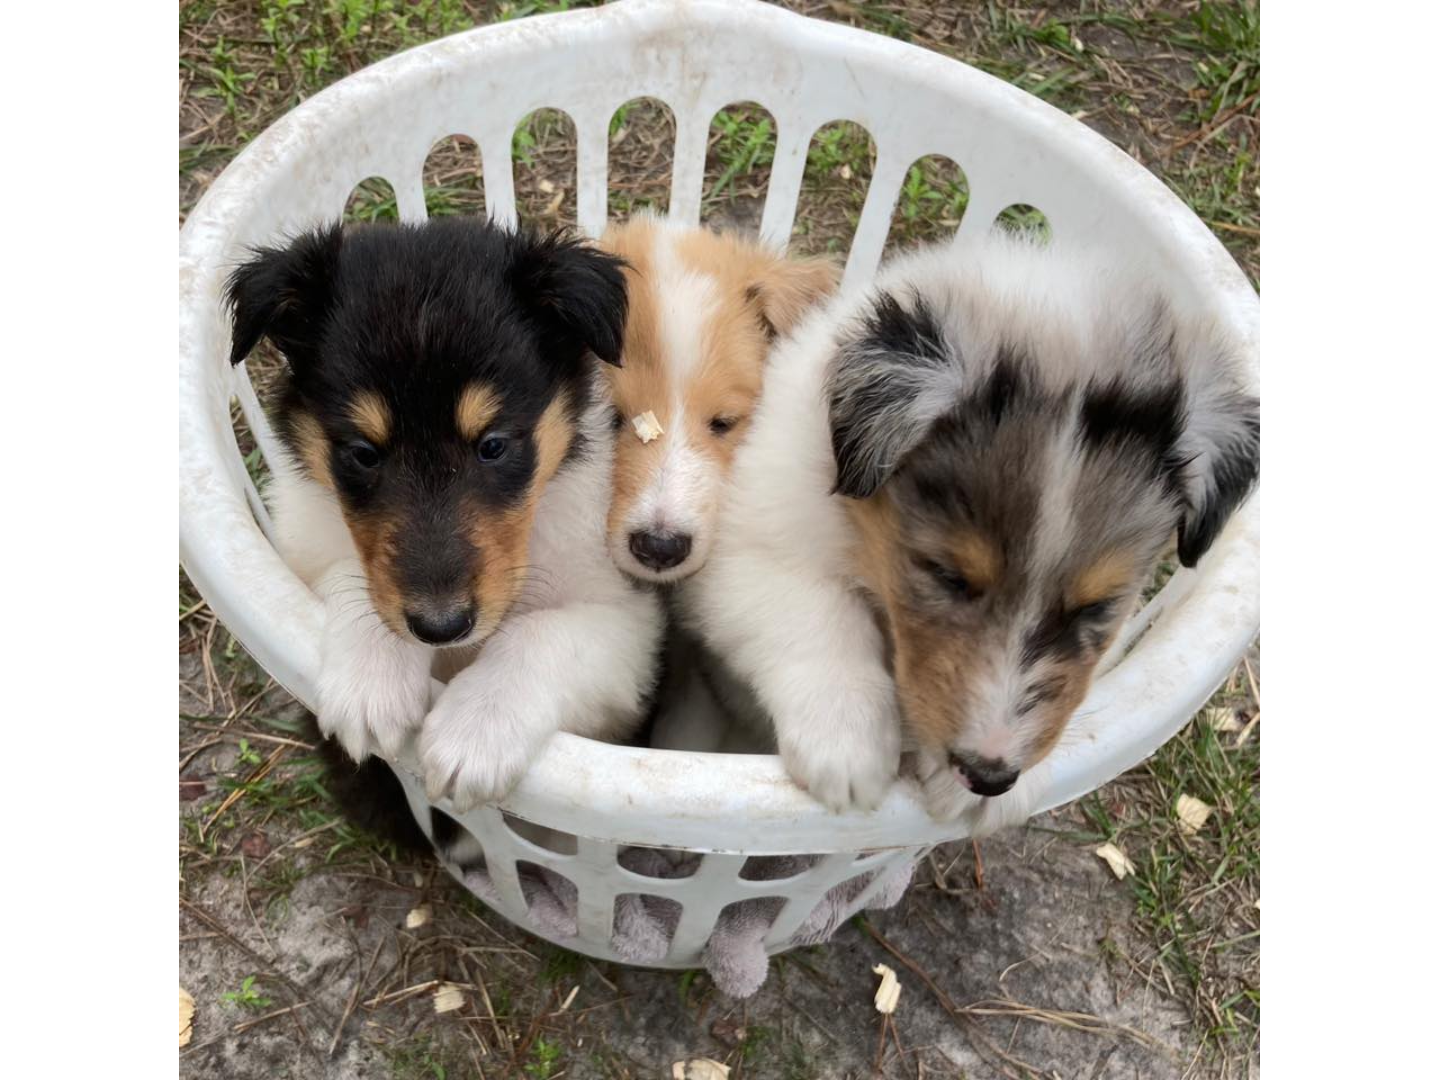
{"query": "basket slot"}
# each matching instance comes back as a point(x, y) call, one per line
point(692, 136)
point(882, 870)
point(592, 189)
point(265, 440)
point(782, 197)
point(929, 219)
point(806, 893)
point(498, 169)
point(504, 873)
point(874, 227)
point(709, 893)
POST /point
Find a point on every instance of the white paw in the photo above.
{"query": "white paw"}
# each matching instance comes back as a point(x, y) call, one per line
point(849, 758)
point(374, 690)
point(475, 746)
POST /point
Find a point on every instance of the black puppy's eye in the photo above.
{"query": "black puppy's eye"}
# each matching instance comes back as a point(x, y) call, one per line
point(363, 453)
point(721, 425)
point(492, 448)
point(952, 580)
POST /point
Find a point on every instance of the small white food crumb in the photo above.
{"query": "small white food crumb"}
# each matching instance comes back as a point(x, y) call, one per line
point(1119, 862)
point(1192, 813)
point(647, 427)
point(448, 998)
point(888, 996)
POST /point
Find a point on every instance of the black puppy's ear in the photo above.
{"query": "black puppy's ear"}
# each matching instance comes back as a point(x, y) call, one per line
point(891, 380)
point(284, 294)
point(575, 291)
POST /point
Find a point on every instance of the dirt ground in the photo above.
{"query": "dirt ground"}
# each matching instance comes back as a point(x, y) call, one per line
point(313, 949)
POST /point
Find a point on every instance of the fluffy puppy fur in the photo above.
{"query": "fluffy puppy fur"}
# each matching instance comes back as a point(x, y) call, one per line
point(955, 487)
point(704, 309)
point(449, 460)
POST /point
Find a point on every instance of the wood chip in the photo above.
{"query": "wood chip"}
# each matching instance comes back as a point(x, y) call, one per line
point(888, 995)
point(647, 427)
point(1223, 720)
point(448, 998)
point(1119, 862)
point(418, 917)
point(1192, 813)
point(699, 1069)
point(187, 1016)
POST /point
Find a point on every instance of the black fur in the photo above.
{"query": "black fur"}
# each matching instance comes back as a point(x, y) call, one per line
point(1233, 468)
point(368, 794)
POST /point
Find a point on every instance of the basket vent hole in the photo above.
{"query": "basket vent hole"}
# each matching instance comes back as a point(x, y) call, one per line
point(455, 843)
point(543, 150)
point(931, 202)
point(453, 178)
point(646, 925)
point(776, 867)
point(550, 897)
point(642, 149)
point(838, 168)
point(737, 167)
point(1024, 219)
point(549, 839)
point(373, 199)
point(659, 862)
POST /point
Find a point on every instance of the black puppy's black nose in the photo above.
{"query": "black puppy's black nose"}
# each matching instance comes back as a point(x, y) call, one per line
point(987, 776)
point(443, 628)
point(660, 551)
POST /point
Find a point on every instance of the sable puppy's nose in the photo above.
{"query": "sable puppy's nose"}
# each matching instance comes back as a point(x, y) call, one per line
point(986, 776)
point(443, 628)
point(660, 551)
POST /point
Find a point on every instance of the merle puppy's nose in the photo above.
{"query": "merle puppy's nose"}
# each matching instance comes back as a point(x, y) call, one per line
point(441, 628)
point(660, 551)
point(986, 776)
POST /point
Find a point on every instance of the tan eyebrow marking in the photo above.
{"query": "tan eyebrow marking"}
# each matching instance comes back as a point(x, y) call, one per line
point(477, 407)
point(371, 415)
point(1103, 579)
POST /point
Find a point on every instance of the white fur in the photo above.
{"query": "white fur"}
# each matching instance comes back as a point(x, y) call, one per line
point(576, 653)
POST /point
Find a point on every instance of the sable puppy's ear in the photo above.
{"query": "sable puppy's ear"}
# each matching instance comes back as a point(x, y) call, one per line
point(783, 290)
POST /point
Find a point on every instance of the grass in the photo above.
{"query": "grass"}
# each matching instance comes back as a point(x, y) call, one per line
point(247, 997)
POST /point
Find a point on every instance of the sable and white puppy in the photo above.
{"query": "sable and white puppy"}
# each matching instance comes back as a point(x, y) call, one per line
point(449, 474)
point(955, 486)
point(704, 310)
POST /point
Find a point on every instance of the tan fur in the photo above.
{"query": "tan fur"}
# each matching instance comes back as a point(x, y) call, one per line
point(374, 539)
point(476, 408)
point(314, 449)
point(370, 414)
point(1109, 576)
point(757, 294)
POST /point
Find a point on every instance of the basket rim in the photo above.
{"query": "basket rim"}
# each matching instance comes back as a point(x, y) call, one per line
point(709, 802)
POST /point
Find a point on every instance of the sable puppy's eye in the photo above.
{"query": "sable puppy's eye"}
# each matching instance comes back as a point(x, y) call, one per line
point(722, 425)
point(492, 448)
point(363, 453)
point(952, 580)
point(616, 420)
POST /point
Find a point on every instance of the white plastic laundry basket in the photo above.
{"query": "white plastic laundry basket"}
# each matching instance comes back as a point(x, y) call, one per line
point(697, 56)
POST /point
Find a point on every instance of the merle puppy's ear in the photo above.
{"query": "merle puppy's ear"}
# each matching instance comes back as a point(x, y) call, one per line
point(284, 294)
point(1221, 451)
point(893, 376)
point(575, 291)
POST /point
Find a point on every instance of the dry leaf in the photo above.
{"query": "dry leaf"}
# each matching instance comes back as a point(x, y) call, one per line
point(1192, 813)
point(418, 917)
point(547, 186)
point(187, 1017)
point(888, 995)
point(647, 427)
point(448, 998)
point(846, 172)
point(1119, 862)
point(1223, 720)
point(699, 1069)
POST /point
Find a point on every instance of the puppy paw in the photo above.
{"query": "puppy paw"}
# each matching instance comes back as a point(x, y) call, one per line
point(475, 746)
point(849, 764)
point(373, 692)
